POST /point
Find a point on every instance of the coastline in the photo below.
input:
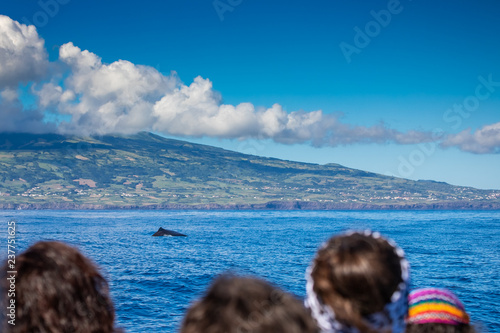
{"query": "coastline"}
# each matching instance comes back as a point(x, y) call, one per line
point(272, 205)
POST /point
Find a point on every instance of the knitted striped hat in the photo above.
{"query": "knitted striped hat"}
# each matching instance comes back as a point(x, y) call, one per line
point(432, 305)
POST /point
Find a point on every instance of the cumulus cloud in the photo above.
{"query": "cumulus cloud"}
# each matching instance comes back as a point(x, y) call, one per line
point(88, 97)
point(23, 57)
point(13, 117)
point(197, 110)
point(125, 98)
point(485, 140)
point(52, 95)
point(104, 98)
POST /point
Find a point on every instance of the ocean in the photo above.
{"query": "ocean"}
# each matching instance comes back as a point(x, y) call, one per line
point(153, 280)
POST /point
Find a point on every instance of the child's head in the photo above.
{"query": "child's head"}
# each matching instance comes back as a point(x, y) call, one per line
point(433, 310)
point(242, 304)
point(358, 282)
point(57, 289)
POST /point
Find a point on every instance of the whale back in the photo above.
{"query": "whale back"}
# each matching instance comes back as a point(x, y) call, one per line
point(165, 232)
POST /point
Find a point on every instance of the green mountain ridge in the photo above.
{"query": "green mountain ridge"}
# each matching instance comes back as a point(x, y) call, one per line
point(52, 171)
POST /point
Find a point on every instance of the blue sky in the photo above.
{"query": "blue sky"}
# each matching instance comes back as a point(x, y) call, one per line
point(411, 70)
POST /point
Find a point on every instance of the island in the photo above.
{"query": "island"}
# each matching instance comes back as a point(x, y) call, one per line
point(147, 171)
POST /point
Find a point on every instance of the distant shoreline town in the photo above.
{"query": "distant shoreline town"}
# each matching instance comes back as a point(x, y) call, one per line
point(277, 205)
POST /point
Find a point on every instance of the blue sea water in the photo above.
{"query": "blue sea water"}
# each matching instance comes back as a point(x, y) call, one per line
point(154, 279)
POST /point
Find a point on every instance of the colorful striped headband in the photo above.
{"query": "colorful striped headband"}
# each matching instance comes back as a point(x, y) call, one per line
point(432, 305)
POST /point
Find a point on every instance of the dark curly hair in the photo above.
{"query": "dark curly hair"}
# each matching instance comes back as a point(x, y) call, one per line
point(356, 276)
point(242, 305)
point(58, 290)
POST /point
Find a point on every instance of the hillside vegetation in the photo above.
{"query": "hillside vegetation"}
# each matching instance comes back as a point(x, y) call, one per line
point(149, 171)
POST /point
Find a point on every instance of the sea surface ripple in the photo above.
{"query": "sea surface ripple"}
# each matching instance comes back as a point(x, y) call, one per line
point(154, 279)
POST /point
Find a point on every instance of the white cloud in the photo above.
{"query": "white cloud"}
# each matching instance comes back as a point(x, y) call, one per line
point(122, 97)
point(197, 110)
point(9, 95)
point(13, 117)
point(23, 57)
point(52, 95)
point(105, 98)
point(485, 140)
